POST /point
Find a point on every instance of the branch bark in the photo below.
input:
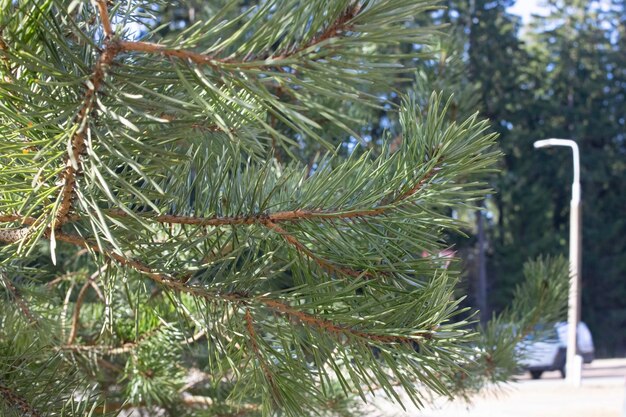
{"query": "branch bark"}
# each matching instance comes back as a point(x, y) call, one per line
point(79, 303)
point(104, 18)
point(275, 305)
point(15, 401)
point(18, 299)
point(257, 353)
point(329, 266)
point(336, 329)
point(334, 29)
point(72, 163)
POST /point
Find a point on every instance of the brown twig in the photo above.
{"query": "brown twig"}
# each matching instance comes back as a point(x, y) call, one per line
point(18, 299)
point(5, 218)
point(68, 176)
point(62, 278)
point(329, 266)
point(418, 186)
point(79, 241)
point(104, 18)
point(257, 352)
point(17, 402)
point(13, 235)
point(183, 54)
point(340, 25)
point(338, 330)
point(275, 305)
point(79, 303)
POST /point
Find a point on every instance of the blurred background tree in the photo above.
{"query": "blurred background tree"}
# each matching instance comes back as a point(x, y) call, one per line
point(560, 74)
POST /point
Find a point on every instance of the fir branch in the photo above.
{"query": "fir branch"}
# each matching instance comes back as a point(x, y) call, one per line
point(17, 402)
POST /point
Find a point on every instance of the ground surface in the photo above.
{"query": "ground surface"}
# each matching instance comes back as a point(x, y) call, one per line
point(600, 395)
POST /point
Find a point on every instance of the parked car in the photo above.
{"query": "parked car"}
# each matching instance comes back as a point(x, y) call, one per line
point(546, 350)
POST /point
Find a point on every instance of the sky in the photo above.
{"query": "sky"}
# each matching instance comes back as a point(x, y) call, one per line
point(525, 8)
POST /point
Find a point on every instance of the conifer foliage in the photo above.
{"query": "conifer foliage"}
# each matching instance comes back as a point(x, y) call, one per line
point(163, 247)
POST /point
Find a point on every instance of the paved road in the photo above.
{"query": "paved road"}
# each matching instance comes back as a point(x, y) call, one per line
point(601, 395)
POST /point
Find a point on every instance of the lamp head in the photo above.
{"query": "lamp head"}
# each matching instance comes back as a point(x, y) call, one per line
point(546, 143)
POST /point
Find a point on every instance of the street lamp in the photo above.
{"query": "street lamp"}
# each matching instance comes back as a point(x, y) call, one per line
point(573, 362)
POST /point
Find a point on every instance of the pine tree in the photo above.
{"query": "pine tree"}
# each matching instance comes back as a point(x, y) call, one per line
point(167, 248)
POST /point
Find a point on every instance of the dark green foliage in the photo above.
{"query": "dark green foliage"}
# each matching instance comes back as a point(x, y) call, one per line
point(571, 85)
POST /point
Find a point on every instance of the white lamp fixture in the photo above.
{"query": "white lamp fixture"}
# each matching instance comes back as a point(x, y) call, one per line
point(573, 361)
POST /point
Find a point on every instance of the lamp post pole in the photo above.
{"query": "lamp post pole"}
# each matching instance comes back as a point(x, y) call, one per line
point(573, 361)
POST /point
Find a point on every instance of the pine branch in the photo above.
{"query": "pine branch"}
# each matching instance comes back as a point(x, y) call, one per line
point(330, 327)
point(18, 403)
point(104, 18)
point(79, 303)
point(268, 220)
point(183, 128)
point(18, 299)
point(72, 164)
point(257, 353)
point(238, 298)
point(306, 251)
point(336, 28)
